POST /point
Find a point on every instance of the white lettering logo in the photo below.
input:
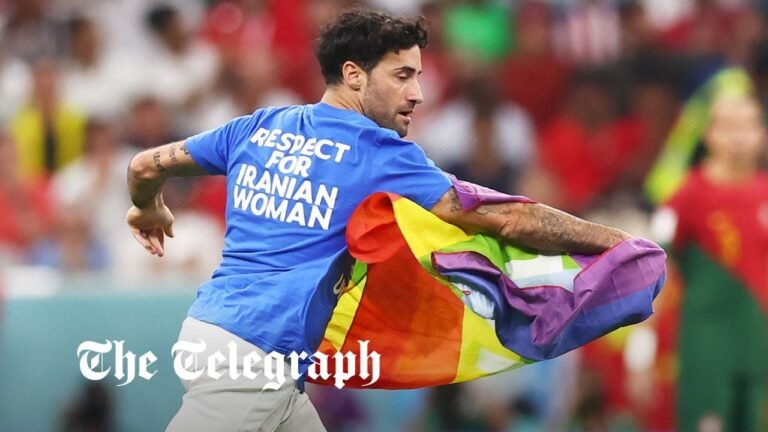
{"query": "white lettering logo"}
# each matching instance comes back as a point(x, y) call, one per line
point(99, 360)
point(93, 356)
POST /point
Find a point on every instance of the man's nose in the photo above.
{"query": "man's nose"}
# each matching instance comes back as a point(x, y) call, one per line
point(414, 93)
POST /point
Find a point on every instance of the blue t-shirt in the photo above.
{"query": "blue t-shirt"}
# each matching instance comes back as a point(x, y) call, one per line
point(294, 176)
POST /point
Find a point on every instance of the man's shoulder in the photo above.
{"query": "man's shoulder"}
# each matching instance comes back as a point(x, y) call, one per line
point(271, 115)
point(274, 110)
point(391, 141)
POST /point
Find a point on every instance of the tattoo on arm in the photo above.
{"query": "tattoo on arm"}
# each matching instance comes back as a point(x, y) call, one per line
point(481, 210)
point(532, 225)
point(172, 153)
point(149, 170)
point(557, 226)
point(156, 158)
point(552, 230)
point(455, 203)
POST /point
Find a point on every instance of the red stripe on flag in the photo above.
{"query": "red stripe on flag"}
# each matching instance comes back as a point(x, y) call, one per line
point(411, 319)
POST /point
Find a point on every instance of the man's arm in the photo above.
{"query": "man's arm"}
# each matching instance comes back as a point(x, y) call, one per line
point(149, 218)
point(150, 169)
point(530, 225)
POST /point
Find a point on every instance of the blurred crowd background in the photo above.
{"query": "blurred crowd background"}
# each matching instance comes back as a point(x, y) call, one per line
point(566, 101)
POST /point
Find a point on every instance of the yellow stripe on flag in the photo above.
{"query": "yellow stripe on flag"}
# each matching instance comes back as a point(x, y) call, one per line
point(482, 353)
point(419, 221)
point(343, 314)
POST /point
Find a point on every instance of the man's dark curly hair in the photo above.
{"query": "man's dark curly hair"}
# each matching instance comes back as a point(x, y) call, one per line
point(364, 37)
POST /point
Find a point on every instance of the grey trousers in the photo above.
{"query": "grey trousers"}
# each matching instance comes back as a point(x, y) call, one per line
point(243, 404)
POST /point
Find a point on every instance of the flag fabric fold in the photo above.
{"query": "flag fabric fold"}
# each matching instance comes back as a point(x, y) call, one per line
point(443, 306)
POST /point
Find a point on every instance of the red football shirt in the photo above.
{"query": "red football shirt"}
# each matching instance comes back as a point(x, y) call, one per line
point(730, 223)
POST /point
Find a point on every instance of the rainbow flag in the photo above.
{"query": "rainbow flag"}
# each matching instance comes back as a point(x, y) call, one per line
point(442, 306)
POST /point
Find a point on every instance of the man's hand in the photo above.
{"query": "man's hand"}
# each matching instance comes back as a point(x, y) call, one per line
point(150, 225)
point(149, 219)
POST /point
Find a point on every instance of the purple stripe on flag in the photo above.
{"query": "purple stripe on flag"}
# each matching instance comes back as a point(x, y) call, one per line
point(614, 290)
point(627, 267)
point(473, 196)
point(584, 260)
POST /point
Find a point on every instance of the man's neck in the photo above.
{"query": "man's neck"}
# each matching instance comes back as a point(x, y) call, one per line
point(724, 172)
point(339, 98)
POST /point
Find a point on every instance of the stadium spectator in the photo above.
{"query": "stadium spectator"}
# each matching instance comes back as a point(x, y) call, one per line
point(149, 123)
point(95, 183)
point(294, 42)
point(239, 28)
point(25, 210)
point(533, 76)
point(480, 29)
point(71, 247)
point(30, 33)
point(253, 82)
point(747, 33)
point(587, 33)
point(96, 81)
point(705, 31)
point(15, 83)
point(480, 137)
point(587, 146)
point(637, 33)
point(438, 68)
point(49, 133)
point(181, 69)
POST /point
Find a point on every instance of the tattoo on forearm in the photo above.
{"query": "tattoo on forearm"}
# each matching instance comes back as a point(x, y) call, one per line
point(172, 153)
point(184, 148)
point(559, 227)
point(455, 203)
point(156, 158)
point(555, 230)
point(536, 226)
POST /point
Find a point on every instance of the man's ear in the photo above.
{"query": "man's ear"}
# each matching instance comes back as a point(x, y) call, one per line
point(353, 75)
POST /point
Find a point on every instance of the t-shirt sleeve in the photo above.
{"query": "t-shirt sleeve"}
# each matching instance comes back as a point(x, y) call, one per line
point(401, 167)
point(210, 149)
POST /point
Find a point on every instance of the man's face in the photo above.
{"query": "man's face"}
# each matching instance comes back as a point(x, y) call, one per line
point(736, 130)
point(392, 90)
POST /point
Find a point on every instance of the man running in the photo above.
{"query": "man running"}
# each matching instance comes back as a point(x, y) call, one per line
point(294, 176)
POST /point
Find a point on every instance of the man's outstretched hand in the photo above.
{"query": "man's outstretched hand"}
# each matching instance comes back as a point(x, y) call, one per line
point(150, 225)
